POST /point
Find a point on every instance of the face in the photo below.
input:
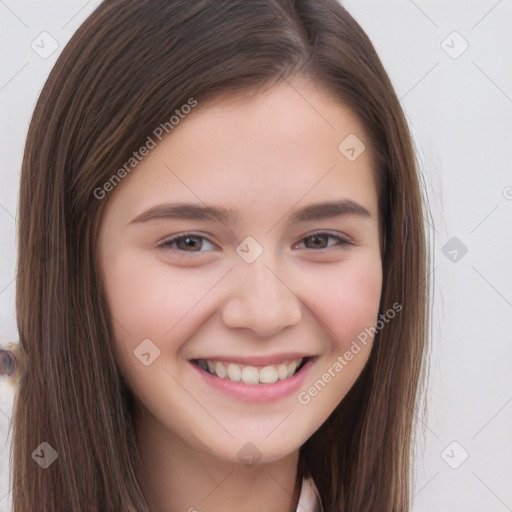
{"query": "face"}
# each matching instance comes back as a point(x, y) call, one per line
point(236, 326)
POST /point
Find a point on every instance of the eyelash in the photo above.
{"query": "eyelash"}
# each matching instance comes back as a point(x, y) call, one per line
point(165, 245)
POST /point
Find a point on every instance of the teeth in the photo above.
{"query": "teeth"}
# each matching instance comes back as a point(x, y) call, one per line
point(268, 374)
point(282, 371)
point(202, 364)
point(234, 372)
point(291, 368)
point(220, 370)
point(250, 374)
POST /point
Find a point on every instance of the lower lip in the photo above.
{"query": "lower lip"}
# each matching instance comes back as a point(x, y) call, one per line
point(257, 392)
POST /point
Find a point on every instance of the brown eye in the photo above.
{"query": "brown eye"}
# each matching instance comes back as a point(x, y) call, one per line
point(182, 244)
point(320, 240)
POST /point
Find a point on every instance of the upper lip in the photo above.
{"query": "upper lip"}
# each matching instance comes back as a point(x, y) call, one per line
point(256, 360)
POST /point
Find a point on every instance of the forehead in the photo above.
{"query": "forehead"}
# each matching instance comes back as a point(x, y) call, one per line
point(257, 152)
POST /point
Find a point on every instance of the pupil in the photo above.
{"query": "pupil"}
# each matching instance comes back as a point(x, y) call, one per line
point(190, 241)
point(316, 238)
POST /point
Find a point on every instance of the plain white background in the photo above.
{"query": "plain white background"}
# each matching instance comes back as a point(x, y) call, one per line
point(450, 64)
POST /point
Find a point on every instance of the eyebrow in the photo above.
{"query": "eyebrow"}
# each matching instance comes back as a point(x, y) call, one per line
point(230, 216)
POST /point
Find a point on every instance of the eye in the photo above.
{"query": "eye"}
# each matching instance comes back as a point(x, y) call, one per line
point(320, 237)
point(184, 243)
point(190, 243)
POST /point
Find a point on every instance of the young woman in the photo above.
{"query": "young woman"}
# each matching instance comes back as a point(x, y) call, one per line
point(221, 290)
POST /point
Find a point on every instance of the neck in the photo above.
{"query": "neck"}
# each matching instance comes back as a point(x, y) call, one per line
point(177, 477)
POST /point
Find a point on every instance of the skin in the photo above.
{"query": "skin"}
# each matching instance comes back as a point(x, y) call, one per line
point(266, 155)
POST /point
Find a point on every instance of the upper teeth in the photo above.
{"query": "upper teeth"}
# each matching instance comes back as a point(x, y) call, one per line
point(250, 374)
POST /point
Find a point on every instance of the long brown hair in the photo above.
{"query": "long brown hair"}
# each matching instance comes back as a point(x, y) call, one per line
point(125, 71)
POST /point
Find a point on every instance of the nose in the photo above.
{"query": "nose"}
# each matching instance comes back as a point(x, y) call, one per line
point(261, 300)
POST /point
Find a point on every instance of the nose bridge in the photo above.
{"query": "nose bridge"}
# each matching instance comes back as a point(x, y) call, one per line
point(263, 282)
point(260, 298)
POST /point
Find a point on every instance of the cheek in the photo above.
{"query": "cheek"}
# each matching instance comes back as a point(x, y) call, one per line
point(138, 296)
point(349, 299)
point(148, 299)
point(348, 304)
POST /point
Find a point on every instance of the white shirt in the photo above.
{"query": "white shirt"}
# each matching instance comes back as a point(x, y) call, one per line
point(309, 499)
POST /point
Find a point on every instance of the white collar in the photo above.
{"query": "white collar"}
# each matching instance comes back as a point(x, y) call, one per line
point(309, 499)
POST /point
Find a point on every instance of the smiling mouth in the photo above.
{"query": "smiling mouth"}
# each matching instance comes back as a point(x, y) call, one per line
point(249, 374)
